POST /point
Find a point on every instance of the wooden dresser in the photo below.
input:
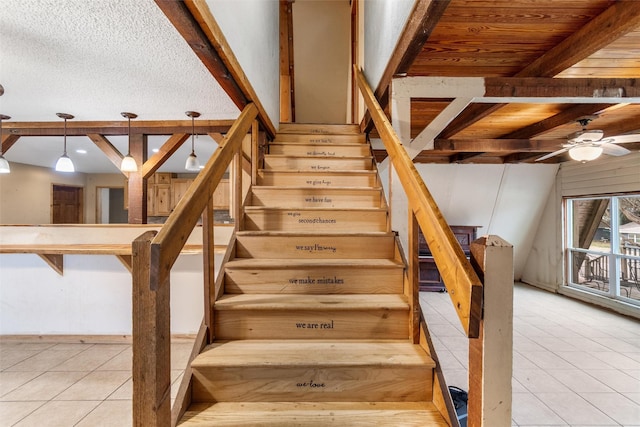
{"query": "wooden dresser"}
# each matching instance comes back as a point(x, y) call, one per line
point(429, 276)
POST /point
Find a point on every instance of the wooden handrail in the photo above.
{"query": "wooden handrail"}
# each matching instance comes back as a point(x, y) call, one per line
point(463, 284)
point(153, 257)
point(166, 246)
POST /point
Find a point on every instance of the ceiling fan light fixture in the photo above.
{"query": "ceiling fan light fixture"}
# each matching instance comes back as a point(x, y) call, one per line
point(128, 162)
point(192, 164)
point(585, 153)
point(64, 163)
point(4, 163)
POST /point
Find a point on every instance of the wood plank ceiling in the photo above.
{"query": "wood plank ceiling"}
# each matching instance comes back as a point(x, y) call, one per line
point(525, 38)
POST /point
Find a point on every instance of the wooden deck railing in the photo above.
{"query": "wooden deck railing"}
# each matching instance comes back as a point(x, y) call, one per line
point(485, 310)
point(153, 256)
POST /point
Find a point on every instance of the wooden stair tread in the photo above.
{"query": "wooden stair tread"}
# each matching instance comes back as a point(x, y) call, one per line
point(327, 302)
point(315, 144)
point(313, 209)
point(319, 129)
point(292, 156)
point(275, 263)
point(313, 414)
point(257, 188)
point(301, 353)
point(282, 233)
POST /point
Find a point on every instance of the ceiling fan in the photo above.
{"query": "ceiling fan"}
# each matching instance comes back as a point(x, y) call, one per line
point(587, 144)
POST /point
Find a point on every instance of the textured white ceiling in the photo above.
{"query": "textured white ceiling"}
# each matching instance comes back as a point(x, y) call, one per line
point(95, 59)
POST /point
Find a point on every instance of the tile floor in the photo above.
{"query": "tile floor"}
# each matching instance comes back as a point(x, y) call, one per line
point(574, 365)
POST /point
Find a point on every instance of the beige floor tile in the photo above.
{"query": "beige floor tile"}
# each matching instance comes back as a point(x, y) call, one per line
point(547, 360)
point(579, 381)
point(583, 360)
point(124, 392)
point(538, 381)
point(87, 360)
point(574, 409)
point(44, 361)
point(45, 387)
point(12, 412)
point(58, 414)
point(24, 345)
point(528, 410)
point(9, 380)
point(617, 380)
point(97, 385)
point(72, 346)
point(12, 357)
point(123, 361)
point(621, 409)
point(633, 396)
point(110, 413)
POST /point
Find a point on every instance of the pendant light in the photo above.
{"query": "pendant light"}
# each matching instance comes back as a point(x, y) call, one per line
point(64, 163)
point(192, 163)
point(128, 162)
point(4, 164)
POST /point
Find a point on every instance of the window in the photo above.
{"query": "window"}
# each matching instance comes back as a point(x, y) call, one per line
point(603, 246)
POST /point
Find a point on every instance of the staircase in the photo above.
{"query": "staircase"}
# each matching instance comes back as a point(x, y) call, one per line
point(314, 327)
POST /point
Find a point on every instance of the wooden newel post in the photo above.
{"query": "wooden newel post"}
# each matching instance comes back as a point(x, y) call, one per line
point(151, 341)
point(491, 354)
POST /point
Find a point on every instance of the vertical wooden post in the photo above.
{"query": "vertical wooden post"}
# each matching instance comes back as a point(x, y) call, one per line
point(151, 341)
point(236, 186)
point(255, 133)
point(286, 62)
point(491, 354)
point(413, 291)
point(209, 268)
point(137, 185)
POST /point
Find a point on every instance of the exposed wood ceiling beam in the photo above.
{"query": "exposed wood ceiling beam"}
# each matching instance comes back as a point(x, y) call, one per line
point(569, 115)
point(422, 20)
point(107, 148)
point(78, 128)
point(168, 148)
point(617, 20)
point(546, 87)
point(497, 145)
point(196, 25)
point(8, 141)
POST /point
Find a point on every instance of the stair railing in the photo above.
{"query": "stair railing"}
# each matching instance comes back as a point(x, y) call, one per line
point(484, 306)
point(153, 257)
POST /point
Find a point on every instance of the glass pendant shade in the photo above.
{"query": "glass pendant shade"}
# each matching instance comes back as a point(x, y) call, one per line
point(192, 164)
point(128, 164)
point(4, 165)
point(585, 153)
point(64, 164)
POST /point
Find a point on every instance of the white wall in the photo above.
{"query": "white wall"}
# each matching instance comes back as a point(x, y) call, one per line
point(607, 175)
point(90, 193)
point(505, 200)
point(384, 21)
point(322, 37)
point(92, 298)
point(25, 193)
point(252, 30)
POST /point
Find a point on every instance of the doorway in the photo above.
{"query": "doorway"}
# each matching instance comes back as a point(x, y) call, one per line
point(110, 206)
point(67, 204)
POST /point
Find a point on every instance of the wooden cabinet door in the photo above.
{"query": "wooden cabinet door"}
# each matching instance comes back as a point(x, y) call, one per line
point(179, 187)
point(162, 200)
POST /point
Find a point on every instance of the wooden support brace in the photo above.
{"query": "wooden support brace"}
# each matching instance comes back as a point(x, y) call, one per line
point(491, 354)
point(126, 261)
point(55, 261)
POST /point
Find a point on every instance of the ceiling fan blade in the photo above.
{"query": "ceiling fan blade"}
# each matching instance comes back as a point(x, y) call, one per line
point(614, 150)
point(621, 139)
point(555, 153)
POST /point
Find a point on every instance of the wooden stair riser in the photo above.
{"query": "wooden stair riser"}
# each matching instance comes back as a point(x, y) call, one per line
point(326, 140)
point(312, 179)
point(323, 220)
point(314, 247)
point(293, 198)
point(310, 324)
point(286, 384)
point(321, 164)
point(314, 280)
point(319, 129)
point(317, 150)
point(313, 414)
